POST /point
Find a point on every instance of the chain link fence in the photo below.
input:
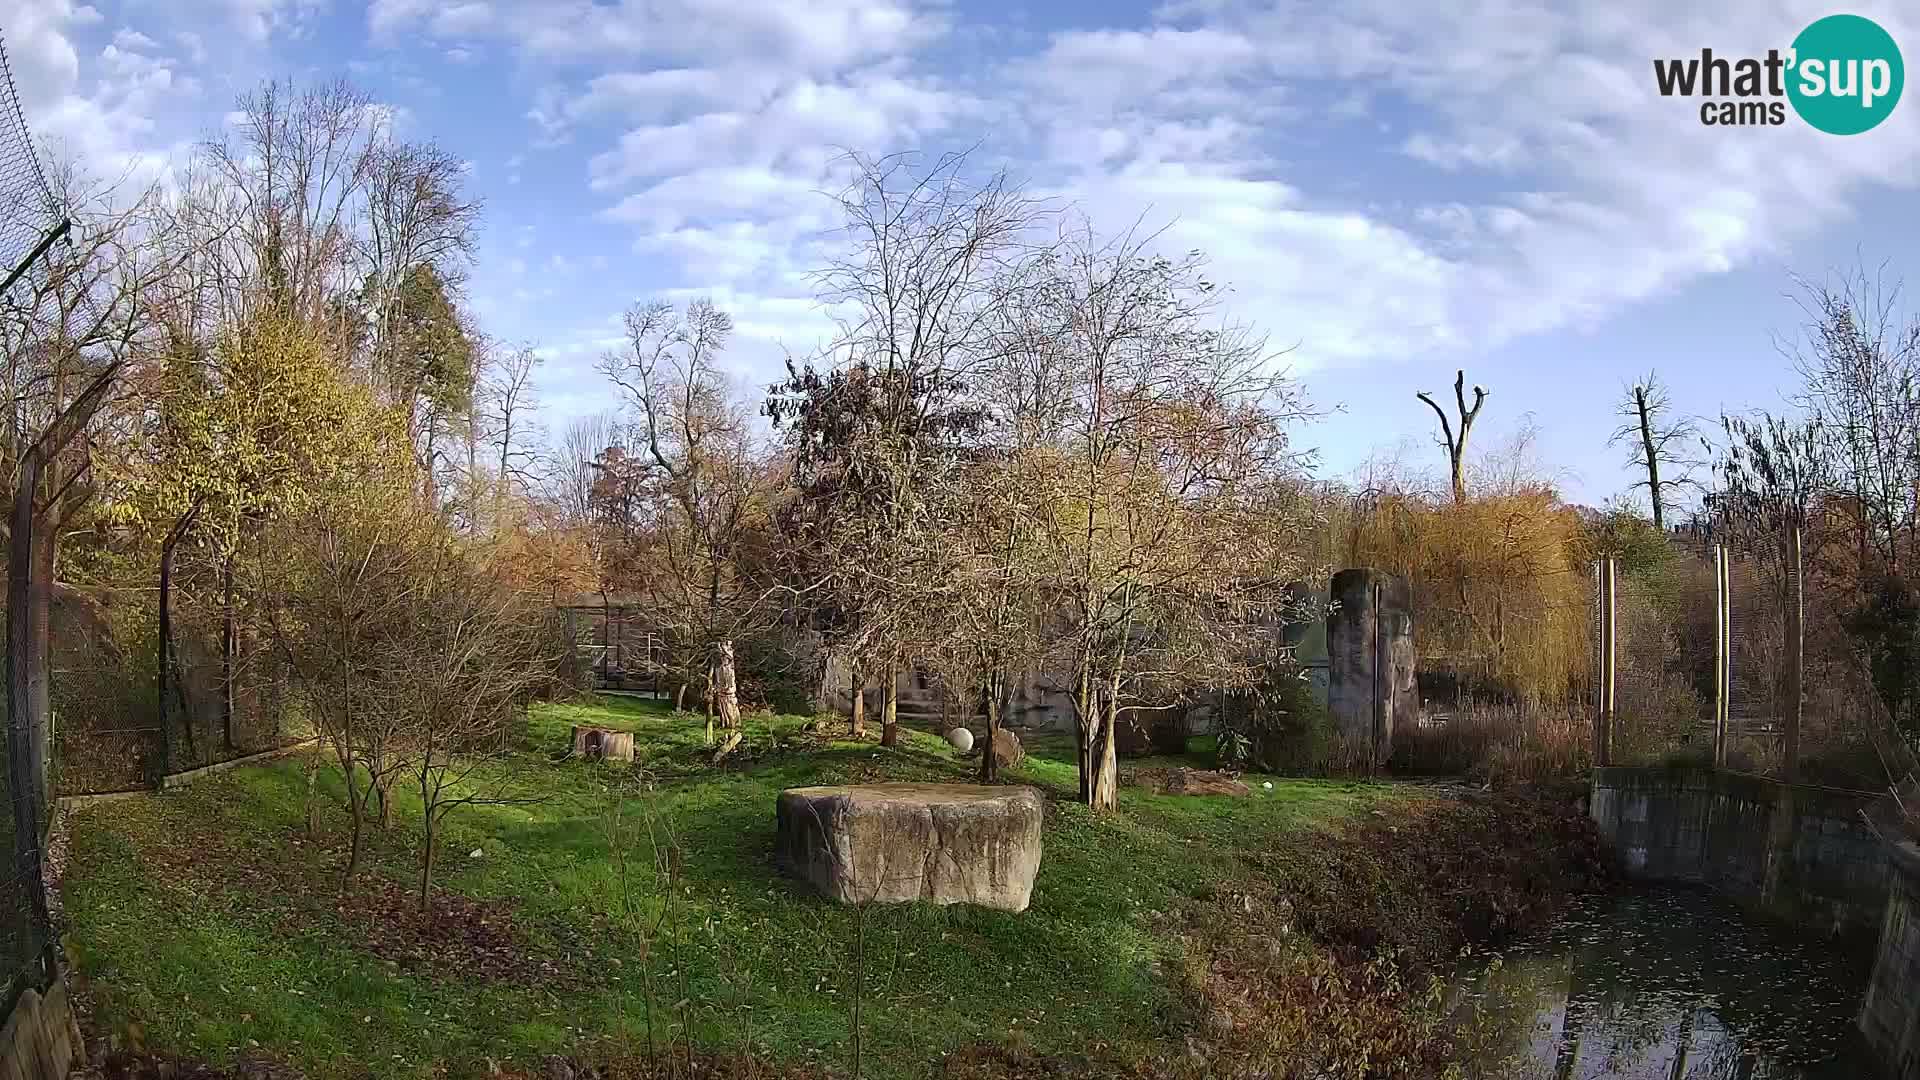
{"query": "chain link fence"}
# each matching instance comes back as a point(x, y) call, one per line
point(106, 710)
point(30, 220)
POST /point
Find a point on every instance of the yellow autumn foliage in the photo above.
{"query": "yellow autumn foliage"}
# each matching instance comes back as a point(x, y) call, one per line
point(1501, 583)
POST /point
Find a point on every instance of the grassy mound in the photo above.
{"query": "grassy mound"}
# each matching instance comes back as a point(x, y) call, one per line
point(601, 919)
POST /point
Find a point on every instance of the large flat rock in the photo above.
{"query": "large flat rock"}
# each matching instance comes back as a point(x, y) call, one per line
point(892, 843)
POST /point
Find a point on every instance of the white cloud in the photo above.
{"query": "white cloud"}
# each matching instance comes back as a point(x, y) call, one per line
point(196, 49)
point(134, 39)
point(456, 20)
point(1376, 180)
point(1621, 194)
point(811, 37)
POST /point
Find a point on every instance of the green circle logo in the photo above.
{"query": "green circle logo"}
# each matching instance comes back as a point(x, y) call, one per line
point(1845, 74)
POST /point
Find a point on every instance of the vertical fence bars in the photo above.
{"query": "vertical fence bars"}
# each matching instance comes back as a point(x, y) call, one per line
point(1758, 666)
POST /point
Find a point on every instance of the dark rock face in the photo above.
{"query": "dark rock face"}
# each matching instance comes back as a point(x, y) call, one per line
point(893, 843)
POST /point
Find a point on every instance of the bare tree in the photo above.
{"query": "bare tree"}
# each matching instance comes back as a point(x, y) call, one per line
point(341, 596)
point(466, 657)
point(700, 447)
point(297, 163)
point(880, 412)
point(506, 408)
point(1456, 445)
point(1660, 444)
point(1860, 360)
point(417, 215)
point(1175, 430)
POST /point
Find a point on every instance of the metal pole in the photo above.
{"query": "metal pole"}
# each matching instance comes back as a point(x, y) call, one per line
point(39, 249)
point(1609, 667)
point(1796, 631)
point(1721, 628)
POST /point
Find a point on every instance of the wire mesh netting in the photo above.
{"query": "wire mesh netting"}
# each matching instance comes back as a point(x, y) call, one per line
point(28, 209)
point(29, 214)
point(105, 687)
point(1756, 663)
point(1663, 668)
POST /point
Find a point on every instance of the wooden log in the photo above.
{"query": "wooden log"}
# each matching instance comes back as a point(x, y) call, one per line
point(601, 744)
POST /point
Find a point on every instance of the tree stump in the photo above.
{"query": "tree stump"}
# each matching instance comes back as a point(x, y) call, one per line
point(600, 744)
point(893, 843)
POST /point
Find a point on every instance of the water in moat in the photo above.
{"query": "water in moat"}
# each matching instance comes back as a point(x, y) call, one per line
point(1664, 985)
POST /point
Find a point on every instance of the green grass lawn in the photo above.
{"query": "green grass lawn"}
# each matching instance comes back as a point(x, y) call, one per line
point(206, 924)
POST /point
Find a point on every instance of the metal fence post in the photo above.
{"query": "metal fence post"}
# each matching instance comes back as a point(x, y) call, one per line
point(1609, 668)
point(1796, 617)
point(1722, 654)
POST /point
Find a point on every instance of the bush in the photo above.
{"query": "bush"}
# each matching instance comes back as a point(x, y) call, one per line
point(1281, 727)
point(1503, 741)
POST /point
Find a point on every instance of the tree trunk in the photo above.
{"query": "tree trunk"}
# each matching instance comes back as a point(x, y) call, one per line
point(857, 724)
point(1086, 724)
point(680, 698)
point(356, 815)
point(227, 649)
point(726, 690)
point(39, 670)
point(1106, 785)
point(165, 660)
point(28, 805)
point(429, 490)
point(1648, 448)
point(313, 796)
point(990, 704)
point(426, 859)
point(890, 713)
point(22, 598)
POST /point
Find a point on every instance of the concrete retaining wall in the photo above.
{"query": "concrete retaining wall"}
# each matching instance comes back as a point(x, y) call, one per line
point(1800, 853)
point(1890, 1015)
point(39, 1041)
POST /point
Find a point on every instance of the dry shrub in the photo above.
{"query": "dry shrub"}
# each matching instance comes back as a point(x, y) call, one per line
point(1500, 742)
point(1333, 963)
point(1501, 581)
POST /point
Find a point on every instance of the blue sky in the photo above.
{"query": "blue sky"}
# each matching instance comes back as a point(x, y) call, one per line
point(1400, 191)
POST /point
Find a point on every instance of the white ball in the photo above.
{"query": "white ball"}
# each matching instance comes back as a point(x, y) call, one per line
point(961, 738)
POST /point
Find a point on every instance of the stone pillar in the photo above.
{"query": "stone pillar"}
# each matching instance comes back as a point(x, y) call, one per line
point(1370, 659)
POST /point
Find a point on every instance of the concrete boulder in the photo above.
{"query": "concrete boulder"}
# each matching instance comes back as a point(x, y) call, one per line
point(894, 843)
point(1007, 751)
point(1185, 781)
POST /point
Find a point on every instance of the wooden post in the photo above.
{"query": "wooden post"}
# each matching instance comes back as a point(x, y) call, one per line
point(1609, 668)
point(29, 785)
point(1722, 629)
point(1796, 633)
